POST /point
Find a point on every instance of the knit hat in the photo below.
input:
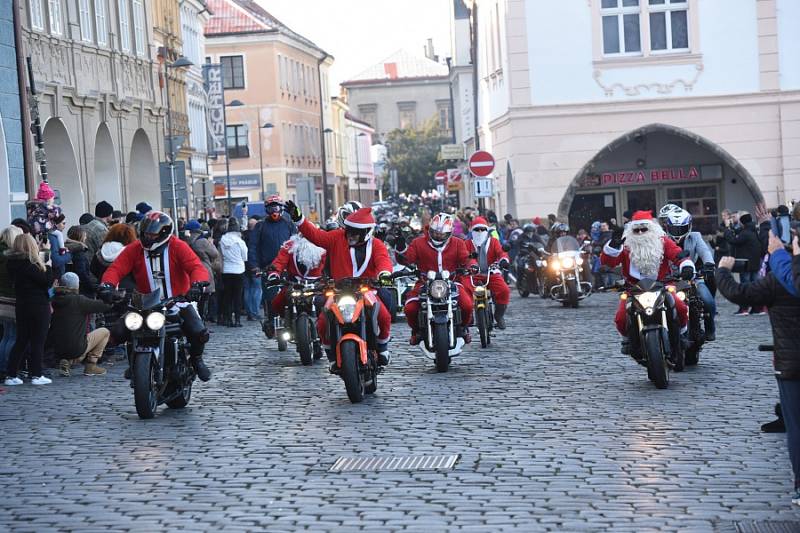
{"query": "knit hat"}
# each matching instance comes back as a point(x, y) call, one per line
point(192, 225)
point(133, 217)
point(103, 209)
point(70, 280)
point(361, 218)
point(143, 207)
point(85, 219)
point(45, 192)
point(479, 222)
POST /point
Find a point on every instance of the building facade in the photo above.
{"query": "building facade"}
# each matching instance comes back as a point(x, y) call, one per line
point(275, 78)
point(640, 103)
point(357, 139)
point(93, 63)
point(12, 165)
point(403, 91)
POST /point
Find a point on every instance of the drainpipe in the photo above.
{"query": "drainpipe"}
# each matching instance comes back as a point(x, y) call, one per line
point(25, 117)
point(322, 139)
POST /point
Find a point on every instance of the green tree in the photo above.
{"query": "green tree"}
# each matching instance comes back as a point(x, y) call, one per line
point(414, 153)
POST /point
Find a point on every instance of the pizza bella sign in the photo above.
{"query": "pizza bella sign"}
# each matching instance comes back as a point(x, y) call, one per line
point(655, 176)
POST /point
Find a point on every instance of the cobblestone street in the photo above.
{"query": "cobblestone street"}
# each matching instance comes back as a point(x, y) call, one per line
point(553, 427)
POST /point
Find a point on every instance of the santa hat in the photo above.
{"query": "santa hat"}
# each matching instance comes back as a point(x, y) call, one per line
point(361, 219)
point(45, 192)
point(640, 216)
point(479, 222)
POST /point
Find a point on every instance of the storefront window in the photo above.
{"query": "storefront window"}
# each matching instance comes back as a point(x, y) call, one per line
point(701, 202)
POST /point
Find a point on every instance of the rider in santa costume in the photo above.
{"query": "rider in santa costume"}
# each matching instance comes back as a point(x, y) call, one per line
point(301, 260)
point(488, 250)
point(645, 251)
point(353, 253)
point(436, 251)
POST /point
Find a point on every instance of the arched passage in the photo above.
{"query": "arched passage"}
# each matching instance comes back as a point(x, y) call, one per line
point(106, 169)
point(143, 185)
point(62, 167)
point(655, 164)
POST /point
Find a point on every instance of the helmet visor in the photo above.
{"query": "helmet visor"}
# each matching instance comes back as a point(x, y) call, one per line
point(678, 230)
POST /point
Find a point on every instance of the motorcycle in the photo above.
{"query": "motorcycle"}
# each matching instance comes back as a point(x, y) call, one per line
point(484, 304)
point(567, 266)
point(440, 318)
point(402, 286)
point(687, 291)
point(654, 331)
point(298, 323)
point(528, 266)
point(350, 304)
point(157, 352)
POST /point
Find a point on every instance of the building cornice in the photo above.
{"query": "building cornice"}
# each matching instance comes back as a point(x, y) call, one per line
point(396, 81)
point(260, 37)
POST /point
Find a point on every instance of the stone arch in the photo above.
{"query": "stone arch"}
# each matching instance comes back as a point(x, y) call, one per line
point(106, 169)
point(632, 136)
point(62, 167)
point(143, 183)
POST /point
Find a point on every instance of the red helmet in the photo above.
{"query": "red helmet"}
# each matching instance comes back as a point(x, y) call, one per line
point(273, 205)
point(155, 229)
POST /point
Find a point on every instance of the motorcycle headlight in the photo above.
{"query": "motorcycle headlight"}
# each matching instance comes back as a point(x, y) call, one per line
point(431, 275)
point(579, 260)
point(134, 321)
point(308, 293)
point(155, 321)
point(681, 296)
point(567, 262)
point(648, 299)
point(540, 263)
point(480, 290)
point(347, 306)
point(445, 274)
point(296, 294)
point(438, 289)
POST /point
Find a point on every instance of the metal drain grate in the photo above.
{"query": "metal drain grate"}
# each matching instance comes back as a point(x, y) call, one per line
point(752, 526)
point(393, 463)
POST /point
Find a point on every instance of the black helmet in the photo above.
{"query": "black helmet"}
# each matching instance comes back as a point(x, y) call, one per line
point(529, 228)
point(155, 229)
point(346, 210)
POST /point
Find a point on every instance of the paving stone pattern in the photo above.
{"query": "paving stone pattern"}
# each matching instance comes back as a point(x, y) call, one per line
point(555, 431)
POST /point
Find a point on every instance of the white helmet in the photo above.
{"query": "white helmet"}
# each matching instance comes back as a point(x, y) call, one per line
point(679, 224)
point(346, 210)
point(665, 211)
point(440, 229)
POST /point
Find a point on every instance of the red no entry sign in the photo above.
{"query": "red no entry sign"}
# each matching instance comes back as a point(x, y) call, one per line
point(481, 164)
point(440, 176)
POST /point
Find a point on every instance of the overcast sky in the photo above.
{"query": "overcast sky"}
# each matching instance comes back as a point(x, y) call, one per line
point(361, 33)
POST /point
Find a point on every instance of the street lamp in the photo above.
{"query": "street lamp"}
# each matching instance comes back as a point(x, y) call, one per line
point(358, 166)
point(181, 62)
point(235, 103)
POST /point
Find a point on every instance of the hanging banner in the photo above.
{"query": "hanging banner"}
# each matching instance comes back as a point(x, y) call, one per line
point(212, 82)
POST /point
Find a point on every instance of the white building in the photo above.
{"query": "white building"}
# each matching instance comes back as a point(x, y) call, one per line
point(595, 107)
point(360, 169)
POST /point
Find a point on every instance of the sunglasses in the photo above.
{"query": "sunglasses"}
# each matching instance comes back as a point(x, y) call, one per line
point(479, 229)
point(639, 230)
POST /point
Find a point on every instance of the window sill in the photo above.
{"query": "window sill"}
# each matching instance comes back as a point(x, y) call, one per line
point(664, 58)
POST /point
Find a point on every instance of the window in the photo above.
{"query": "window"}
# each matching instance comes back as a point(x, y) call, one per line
point(621, 32)
point(101, 18)
point(232, 71)
point(55, 17)
point(669, 25)
point(236, 137)
point(408, 115)
point(124, 26)
point(443, 115)
point(85, 9)
point(701, 202)
point(37, 15)
point(138, 27)
point(281, 73)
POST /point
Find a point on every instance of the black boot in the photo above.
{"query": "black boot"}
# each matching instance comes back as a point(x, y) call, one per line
point(499, 315)
point(200, 368)
point(238, 323)
point(776, 426)
point(711, 329)
point(333, 368)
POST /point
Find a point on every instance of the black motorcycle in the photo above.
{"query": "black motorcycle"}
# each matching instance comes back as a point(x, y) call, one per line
point(528, 266)
point(654, 330)
point(298, 324)
point(158, 356)
point(686, 291)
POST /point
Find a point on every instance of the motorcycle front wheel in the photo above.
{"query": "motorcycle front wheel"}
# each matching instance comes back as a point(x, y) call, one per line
point(572, 293)
point(351, 373)
point(481, 318)
point(145, 395)
point(303, 339)
point(183, 398)
point(657, 368)
point(522, 287)
point(441, 347)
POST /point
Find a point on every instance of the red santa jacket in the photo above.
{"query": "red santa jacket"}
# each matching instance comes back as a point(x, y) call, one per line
point(343, 257)
point(494, 252)
point(454, 255)
point(612, 257)
point(184, 268)
point(286, 262)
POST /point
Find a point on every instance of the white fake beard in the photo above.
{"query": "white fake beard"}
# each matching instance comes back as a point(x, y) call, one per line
point(306, 253)
point(646, 250)
point(479, 237)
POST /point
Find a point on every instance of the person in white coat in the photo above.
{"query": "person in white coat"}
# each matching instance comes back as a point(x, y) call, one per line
point(234, 256)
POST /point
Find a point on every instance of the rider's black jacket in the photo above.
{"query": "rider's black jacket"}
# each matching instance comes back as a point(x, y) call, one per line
point(784, 315)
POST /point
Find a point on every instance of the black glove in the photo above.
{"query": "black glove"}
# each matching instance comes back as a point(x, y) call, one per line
point(503, 263)
point(294, 211)
point(616, 242)
point(474, 269)
point(385, 278)
point(399, 243)
point(687, 273)
point(105, 292)
point(196, 292)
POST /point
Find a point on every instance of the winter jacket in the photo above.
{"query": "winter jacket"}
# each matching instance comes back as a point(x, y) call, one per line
point(208, 255)
point(6, 288)
point(612, 257)
point(95, 234)
point(234, 253)
point(746, 245)
point(266, 239)
point(81, 265)
point(491, 252)
point(183, 268)
point(780, 263)
point(107, 254)
point(69, 322)
point(454, 255)
point(286, 262)
point(31, 285)
point(784, 315)
point(344, 260)
point(697, 248)
point(58, 259)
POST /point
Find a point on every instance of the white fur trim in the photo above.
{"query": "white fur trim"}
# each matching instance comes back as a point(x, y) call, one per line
point(685, 263)
point(611, 252)
point(356, 270)
point(358, 225)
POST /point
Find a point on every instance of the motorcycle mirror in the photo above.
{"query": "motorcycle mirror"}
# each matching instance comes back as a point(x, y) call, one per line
point(506, 247)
